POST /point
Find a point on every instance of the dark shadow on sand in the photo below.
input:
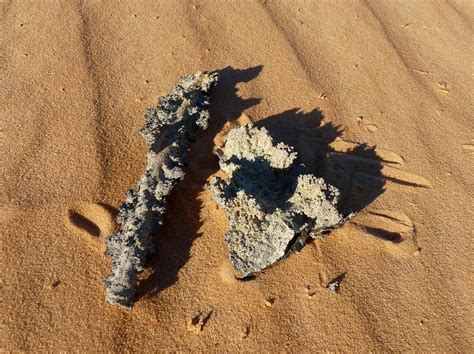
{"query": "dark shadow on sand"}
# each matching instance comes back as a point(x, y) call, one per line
point(356, 172)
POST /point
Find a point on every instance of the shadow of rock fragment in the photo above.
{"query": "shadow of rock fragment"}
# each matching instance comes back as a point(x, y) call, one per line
point(354, 169)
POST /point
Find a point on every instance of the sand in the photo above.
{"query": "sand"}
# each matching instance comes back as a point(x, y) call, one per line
point(77, 78)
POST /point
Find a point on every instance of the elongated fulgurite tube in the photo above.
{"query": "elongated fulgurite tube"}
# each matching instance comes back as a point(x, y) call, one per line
point(168, 131)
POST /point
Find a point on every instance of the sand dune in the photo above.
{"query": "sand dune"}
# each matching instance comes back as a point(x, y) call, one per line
point(382, 90)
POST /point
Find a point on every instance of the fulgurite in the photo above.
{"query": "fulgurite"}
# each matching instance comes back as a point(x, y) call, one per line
point(272, 205)
point(168, 130)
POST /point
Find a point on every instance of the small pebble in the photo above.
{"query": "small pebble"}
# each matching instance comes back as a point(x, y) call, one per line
point(269, 301)
point(335, 284)
point(54, 284)
point(245, 331)
point(197, 323)
point(371, 127)
point(310, 291)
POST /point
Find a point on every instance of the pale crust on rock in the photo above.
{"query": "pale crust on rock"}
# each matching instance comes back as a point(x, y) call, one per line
point(269, 200)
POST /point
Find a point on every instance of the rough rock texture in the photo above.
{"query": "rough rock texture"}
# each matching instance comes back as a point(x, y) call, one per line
point(272, 206)
point(168, 130)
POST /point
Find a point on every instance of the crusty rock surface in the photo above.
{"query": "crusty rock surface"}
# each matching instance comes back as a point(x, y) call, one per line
point(272, 205)
point(168, 130)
